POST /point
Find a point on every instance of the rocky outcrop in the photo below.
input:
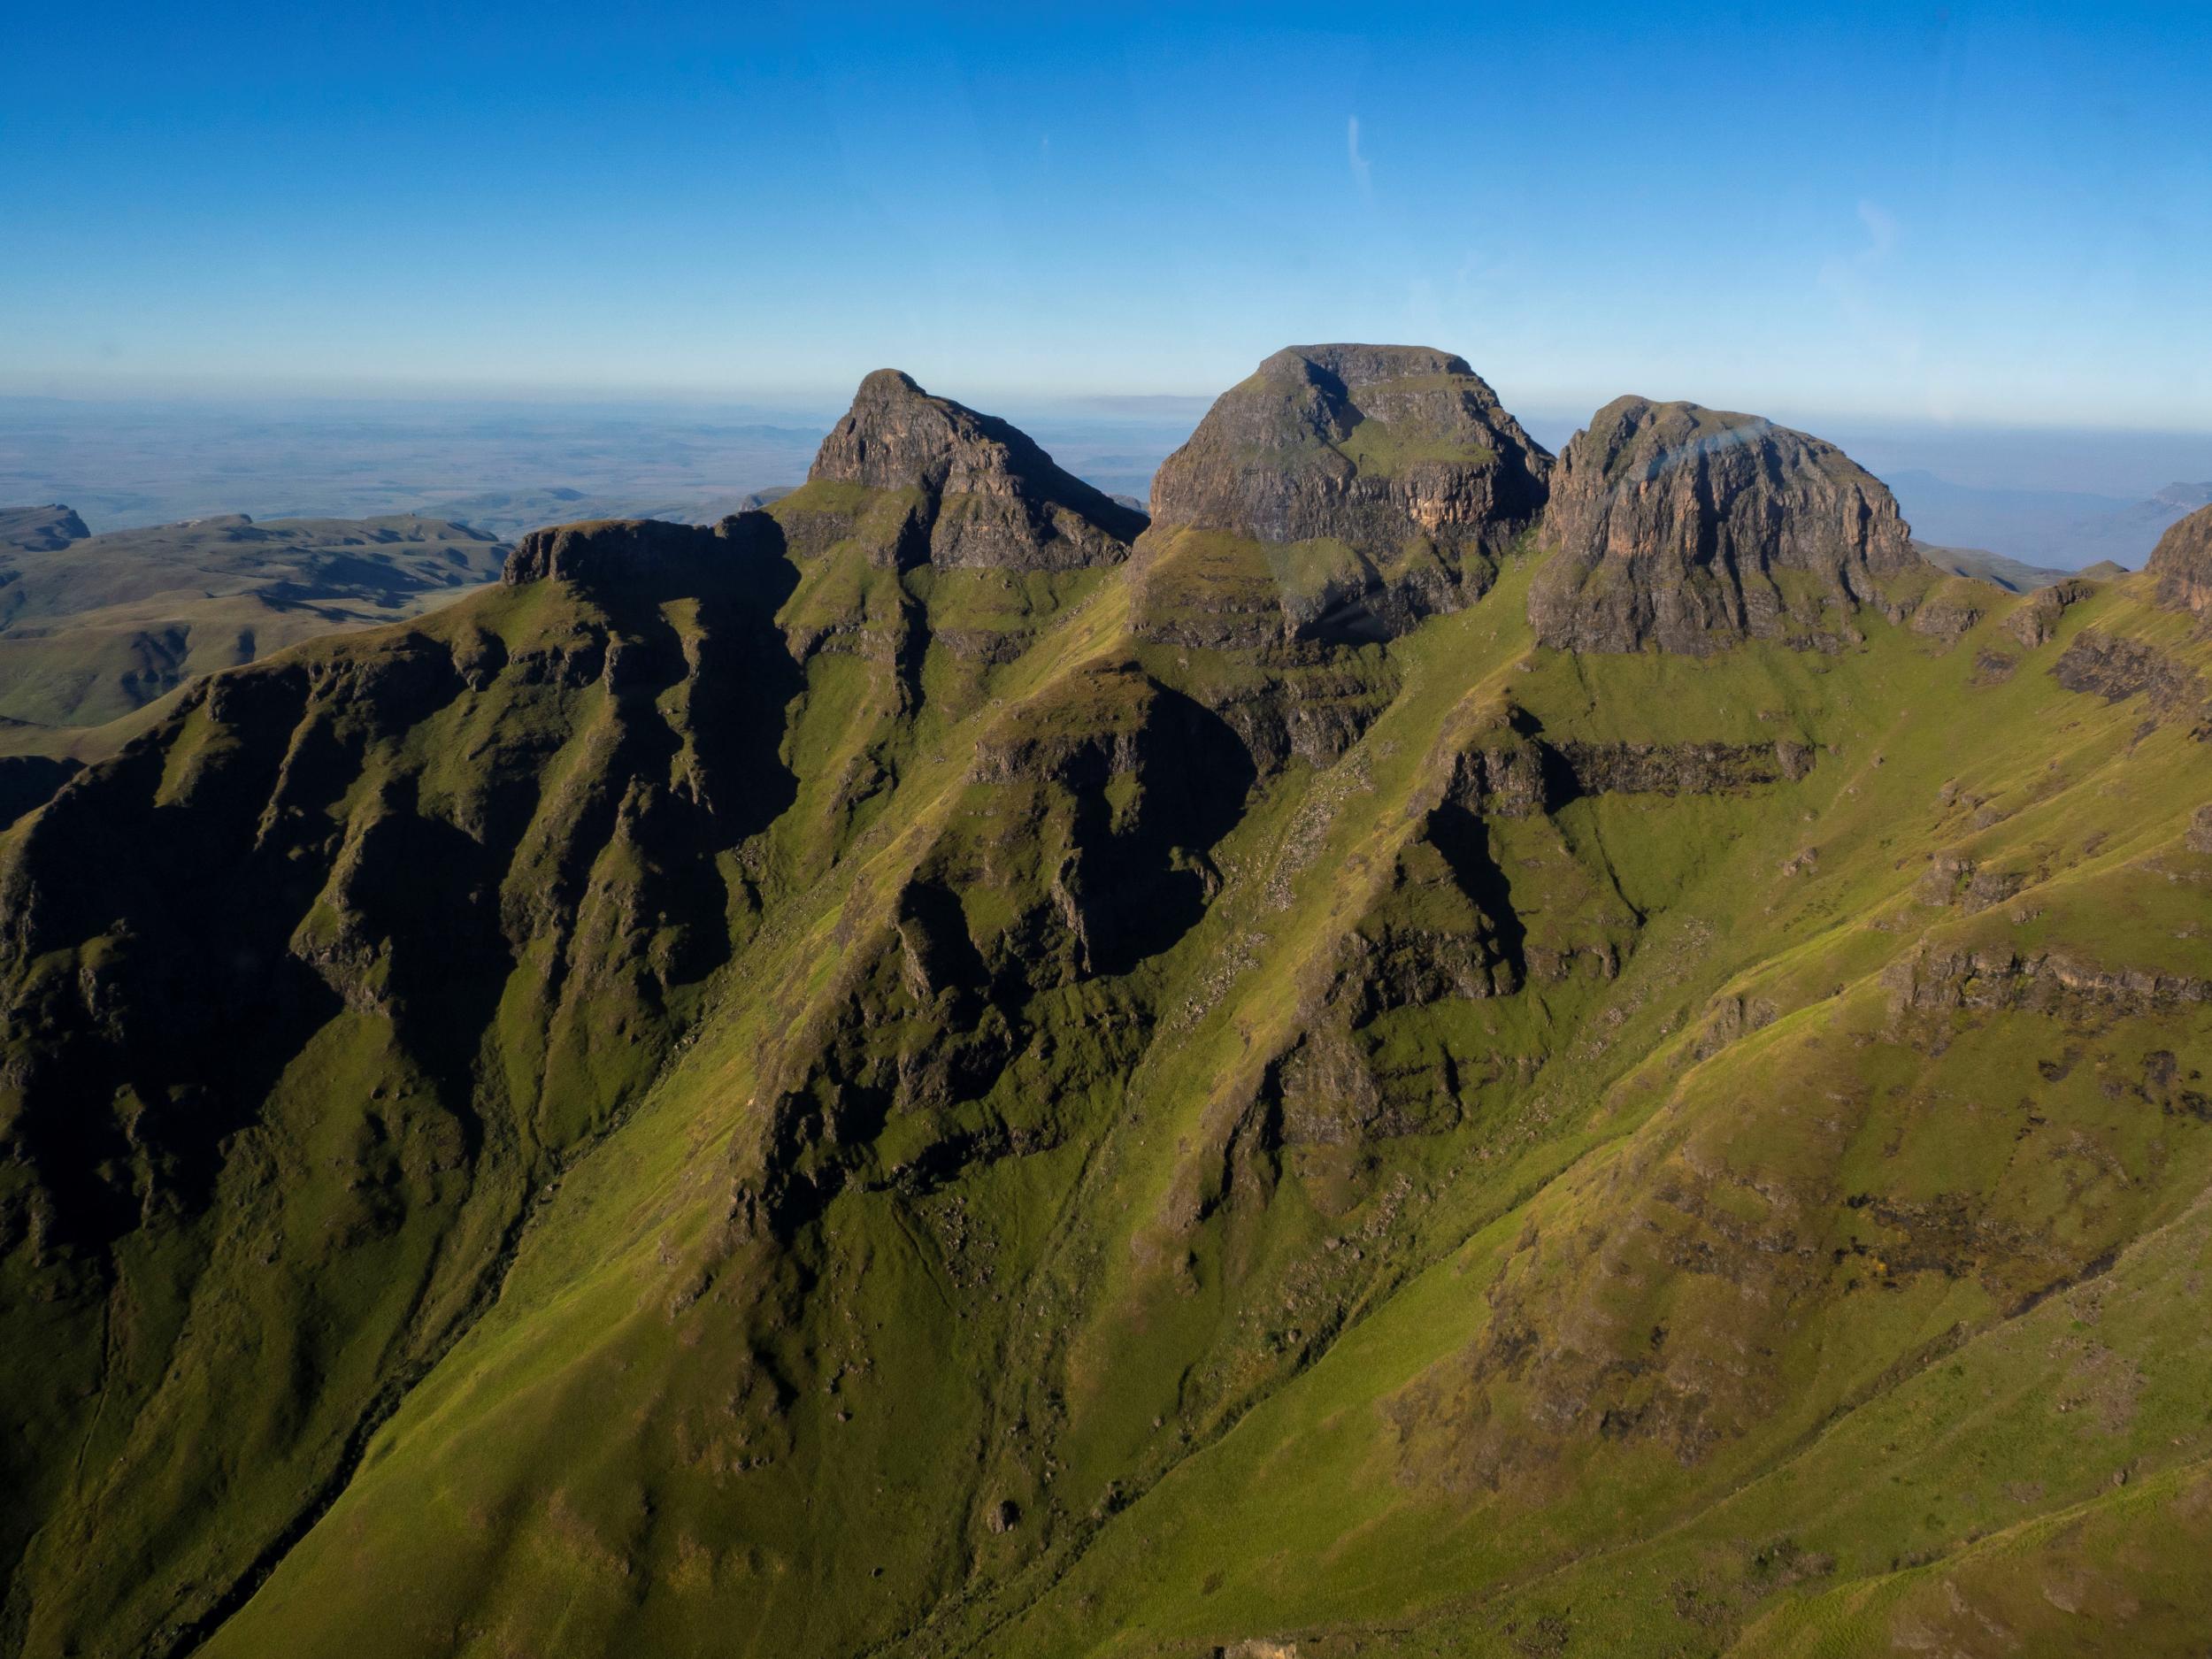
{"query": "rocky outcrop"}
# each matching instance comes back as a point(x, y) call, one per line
point(2182, 564)
point(2035, 622)
point(602, 551)
point(2115, 668)
point(1377, 482)
point(996, 500)
point(1690, 529)
point(1516, 776)
point(1931, 980)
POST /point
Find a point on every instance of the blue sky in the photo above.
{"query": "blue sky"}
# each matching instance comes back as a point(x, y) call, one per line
point(1959, 212)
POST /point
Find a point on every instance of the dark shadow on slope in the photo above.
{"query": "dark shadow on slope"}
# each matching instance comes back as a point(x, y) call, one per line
point(1464, 841)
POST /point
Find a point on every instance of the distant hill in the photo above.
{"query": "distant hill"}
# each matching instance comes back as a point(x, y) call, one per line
point(95, 627)
point(2010, 574)
point(39, 529)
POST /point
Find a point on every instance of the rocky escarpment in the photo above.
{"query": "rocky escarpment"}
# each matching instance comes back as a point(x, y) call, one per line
point(2182, 564)
point(993, 499)
point(597, 553)
point(1377, 481)
point(1691, 528)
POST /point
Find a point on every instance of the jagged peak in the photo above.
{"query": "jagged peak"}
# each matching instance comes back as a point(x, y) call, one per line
point(1023, 510)
point(898, 436)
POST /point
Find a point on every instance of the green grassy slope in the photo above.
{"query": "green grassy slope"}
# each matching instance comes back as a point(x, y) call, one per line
point(1174, 1137)
point(1582, 1335)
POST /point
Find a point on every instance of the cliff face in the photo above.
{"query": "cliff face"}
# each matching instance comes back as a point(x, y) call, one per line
point(1693, 529)
point(637, 554)
point(1353, 488)
point(2182, 564)
point(1360, 444)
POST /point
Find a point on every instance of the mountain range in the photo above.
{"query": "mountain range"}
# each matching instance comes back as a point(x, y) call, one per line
point(1428, 1047)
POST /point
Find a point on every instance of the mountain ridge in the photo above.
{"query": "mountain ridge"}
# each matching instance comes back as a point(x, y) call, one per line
point(802, 1092)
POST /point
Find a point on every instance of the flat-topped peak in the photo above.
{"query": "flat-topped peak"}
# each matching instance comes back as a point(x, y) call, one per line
point(1363, 444)
point(882, 383)
point(1393, 469)
point(1357, 365)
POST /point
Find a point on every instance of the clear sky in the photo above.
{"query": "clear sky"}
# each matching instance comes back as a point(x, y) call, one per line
point(1960, 212)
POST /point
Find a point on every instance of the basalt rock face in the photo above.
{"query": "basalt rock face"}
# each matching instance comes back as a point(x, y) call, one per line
point(1691, 528)
point(2182, 564)
point(994, 500)
point(635, 552)
point(1381, 480)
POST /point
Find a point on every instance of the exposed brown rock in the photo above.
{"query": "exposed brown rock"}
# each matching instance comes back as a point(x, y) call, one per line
point(997, 501)
point(1680, 768)
point(2116, 668)
point(1932, 979)
point(2182, 564)
point(1392, 471)
point(2035, 622)
point(1691, 529)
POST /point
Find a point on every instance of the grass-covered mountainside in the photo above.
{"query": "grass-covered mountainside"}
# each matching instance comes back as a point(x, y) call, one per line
point(938, 1070)
point(94, 629)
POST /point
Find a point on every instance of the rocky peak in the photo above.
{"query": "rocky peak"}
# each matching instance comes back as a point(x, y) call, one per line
point(997, 499)
point(1693, 528)
point(1339, 493)
point(1367, 445)
point(2182, 564)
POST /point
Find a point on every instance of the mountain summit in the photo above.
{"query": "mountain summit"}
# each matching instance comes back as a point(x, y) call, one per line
point(1691, 528)
point(1341, 492)
point(998, 501)
point(1359, 444)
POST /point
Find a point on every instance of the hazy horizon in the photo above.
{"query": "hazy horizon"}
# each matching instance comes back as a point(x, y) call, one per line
point(1959, 214)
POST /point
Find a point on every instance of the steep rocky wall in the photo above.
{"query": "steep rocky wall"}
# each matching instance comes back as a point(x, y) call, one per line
point(2182, 564)
point(1693, 528)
